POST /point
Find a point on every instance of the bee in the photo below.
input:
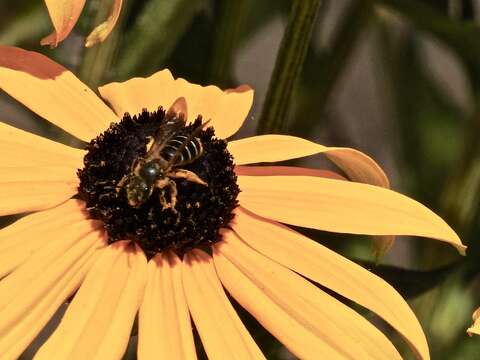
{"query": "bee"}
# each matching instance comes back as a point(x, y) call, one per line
point(167, 151)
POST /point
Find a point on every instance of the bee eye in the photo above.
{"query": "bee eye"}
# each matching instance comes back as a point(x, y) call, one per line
point(149, 171)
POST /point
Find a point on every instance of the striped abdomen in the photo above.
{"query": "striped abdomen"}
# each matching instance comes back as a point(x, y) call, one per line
point(192, 150)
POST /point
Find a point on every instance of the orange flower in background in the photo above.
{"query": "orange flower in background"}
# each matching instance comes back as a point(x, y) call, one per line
point(64, 15)
point(171, 260)
point(475, 328)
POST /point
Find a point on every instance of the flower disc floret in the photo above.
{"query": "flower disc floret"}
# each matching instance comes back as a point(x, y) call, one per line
point(200, 210)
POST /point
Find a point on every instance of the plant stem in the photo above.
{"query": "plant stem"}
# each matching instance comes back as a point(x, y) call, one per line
point(288, 65)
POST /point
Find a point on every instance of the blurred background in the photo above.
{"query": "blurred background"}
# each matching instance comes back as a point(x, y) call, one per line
point(396, 79)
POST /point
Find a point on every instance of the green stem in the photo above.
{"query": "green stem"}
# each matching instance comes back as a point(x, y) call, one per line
point(288, 66)
point(228, 29)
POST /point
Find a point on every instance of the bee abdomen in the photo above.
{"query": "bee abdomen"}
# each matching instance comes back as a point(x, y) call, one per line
point(192, 150)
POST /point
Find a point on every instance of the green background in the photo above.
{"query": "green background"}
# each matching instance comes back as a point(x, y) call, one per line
point(397, 79)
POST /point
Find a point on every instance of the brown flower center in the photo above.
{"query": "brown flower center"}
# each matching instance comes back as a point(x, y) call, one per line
point(171, 190)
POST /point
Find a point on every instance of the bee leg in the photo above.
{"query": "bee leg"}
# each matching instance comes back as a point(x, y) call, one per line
point(188, 175)
point(120, 184)
point(162, 184)
point(173, 195)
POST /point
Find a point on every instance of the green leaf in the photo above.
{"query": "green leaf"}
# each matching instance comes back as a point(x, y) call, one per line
point(153, 35)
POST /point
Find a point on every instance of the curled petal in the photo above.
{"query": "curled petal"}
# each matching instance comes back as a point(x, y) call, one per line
point(53, 92)
point(356, 165)
point(164, 327)
point(331, 270)
point(101, 32)
point(222, 332)
point(226, 109)
point(64, 15)
point(308, 321)
point(475, 328)
point(98, 322)
point(273, 148)
point(286, 171)
point(341, 206)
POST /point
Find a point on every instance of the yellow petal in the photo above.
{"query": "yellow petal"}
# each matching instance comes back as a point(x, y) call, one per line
point(475, 328)
point(98, 321)
point(273, 148)
point(31, 295)
point(222, 332)
point(356, 165)
point(286, 171)
point(25, 196)
point(164, 327)
point(101, 32)
point(333, 271)
point(24, 237)
point(21, 148)
point(64, 15)
point(308, 321)
point(226, 109)
point(341, 206)
point(53, 92)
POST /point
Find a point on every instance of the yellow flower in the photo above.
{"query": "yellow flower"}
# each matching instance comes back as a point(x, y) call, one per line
point(172, 263)
point(64, 15)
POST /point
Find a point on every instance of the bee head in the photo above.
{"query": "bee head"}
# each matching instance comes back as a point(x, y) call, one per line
point(138, 190)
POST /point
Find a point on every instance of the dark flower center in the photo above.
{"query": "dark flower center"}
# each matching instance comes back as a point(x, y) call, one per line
point(130, 190)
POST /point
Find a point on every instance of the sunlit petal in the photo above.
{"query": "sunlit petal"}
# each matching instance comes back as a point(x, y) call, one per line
point(21, 148)
point(331, 270)
point(24, 237)
point(32, 195)
point(31, 295)
point(101, 32)
point(475, 328)
point(272, 148)
point(309, 322)
point(64, 15)
point(164, 327)
point(341, 206)
point(98, 321)
point(226, 109)
point(286, 171)
point(53, 92)
point(222, 332)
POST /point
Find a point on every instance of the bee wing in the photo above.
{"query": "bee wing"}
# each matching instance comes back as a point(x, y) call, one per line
point(175, 116)
point(178, 108)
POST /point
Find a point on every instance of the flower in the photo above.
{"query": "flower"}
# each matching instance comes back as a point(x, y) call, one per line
point(172, 261)
point(64, 15)
point(475, 328)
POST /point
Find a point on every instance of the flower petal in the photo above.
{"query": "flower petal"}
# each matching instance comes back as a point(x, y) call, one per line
point(286, 171)
point(164, 327)
point(98, 321)
point(310, 323)
point(226, 109)
point(53, 92)
point(222, 332)
point(64, 15)
point(341, 206)
point(101, 32)
point(32, 195)
point(21, 148)
point(30, 296)
point(475, 328)
point(329, 269)
point(357, 166)
point(24, 237)
point(274, 148)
